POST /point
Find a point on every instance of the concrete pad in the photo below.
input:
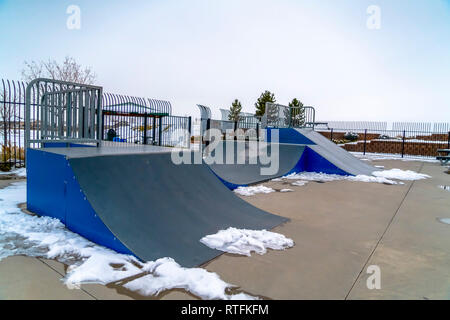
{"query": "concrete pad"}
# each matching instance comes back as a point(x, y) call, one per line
point(24, 278)
point(414, 255)
point(335, 226)
point(98, 291)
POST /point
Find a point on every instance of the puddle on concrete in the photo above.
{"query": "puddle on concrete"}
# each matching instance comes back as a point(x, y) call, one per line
point(445, 188)
point(444, 220)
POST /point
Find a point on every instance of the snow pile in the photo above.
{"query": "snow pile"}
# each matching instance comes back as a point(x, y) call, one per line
point(250, 191)
point(382, 176)
point(445, 220)
point(299, 183)
point(22, 234)
point(400, 174)
point(243, 242)
point(323, 177)
point(286, 190)
point(167, 274)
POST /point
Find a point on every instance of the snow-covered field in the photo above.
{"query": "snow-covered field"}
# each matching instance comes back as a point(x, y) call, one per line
point(23, 234)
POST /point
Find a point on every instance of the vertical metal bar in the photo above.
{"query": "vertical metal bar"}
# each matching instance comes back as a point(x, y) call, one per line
point(99, 115)
point(365, 140)
point(189, 131)
point(145, 128)
point(331, 134)
point(257, 131)
point(448, 142)
point(160, 131)
point(403, 143)
point(153, 130)
point(208, 127)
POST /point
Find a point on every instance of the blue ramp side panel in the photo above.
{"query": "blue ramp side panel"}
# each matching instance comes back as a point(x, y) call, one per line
point(311, 161)
point(53, 190)
point(288, 135)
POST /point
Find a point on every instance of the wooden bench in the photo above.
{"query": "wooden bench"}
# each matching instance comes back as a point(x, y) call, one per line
point(444, 159)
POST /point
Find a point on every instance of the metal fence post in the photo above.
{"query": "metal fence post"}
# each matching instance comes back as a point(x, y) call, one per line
point(189, 131)
point(208, 126)
point(145, 128)
point(448, 142)
point(235, 129)
point(257, 133)
point(331, 134)
point(160, 131)
point(102, 128)
point(365, 139)
point(403, 143)
point(153, 130)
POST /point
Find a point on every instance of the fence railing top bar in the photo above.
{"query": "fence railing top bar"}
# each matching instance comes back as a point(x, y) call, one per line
point(61, 82)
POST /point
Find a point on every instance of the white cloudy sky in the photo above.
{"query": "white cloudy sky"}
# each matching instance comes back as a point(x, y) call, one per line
point(213, 51)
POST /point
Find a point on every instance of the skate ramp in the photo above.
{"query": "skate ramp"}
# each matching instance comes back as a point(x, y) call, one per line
point(138, 202)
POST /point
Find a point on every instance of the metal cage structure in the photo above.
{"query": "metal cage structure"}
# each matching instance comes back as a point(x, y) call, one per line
point(61, 111)
point(281, 116)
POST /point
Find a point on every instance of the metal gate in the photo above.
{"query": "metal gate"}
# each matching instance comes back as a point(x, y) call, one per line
point(64, 112)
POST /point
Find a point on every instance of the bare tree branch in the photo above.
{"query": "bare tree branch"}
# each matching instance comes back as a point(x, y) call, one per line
point(69, 70)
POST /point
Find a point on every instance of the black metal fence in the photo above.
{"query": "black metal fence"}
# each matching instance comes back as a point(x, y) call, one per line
point(134, 121)
point(402, 143)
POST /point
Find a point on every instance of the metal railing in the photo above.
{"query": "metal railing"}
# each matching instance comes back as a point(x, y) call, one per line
point(281, 116)
point(402, 143)
point(124, 113)
point(60, 111)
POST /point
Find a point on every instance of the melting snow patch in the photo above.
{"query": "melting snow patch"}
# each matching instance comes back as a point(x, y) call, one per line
point(323, 177)
point(21, 172)
point(444, 220)
point(250, 191)
point(299, 183)
point(243, 242)
point(22, 234)
point(286, 190)
point(400, 174)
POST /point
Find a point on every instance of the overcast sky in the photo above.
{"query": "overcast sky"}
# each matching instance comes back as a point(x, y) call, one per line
point(213, 51)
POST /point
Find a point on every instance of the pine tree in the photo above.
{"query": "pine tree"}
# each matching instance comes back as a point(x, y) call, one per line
point(260, 104)
point(297, 113)
point(235, 110)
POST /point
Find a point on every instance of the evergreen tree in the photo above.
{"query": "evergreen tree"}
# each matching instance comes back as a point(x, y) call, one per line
point(297, 113)
point(235, 110)
point(260, 104)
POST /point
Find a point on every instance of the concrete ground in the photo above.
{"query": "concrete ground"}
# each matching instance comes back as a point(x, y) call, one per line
point(340, 228)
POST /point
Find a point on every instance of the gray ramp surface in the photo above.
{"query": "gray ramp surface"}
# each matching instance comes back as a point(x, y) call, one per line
point(336, 155)
point(248, 173)
point(159, 209)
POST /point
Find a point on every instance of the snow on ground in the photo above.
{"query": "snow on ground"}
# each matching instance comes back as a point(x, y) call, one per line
point(299, 183)
point(250, 191)
point(23, 234)
point(21, 172)
point(382, 176)
point(445, 220)
point(286, 190)
point(243, 242)
point(323, 177)
point(385, 156)
point(400, 174)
